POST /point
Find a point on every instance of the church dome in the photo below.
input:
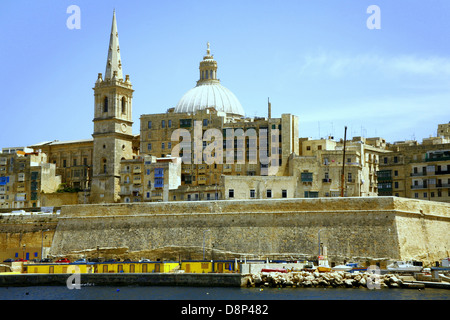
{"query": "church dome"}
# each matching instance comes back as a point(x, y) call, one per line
point(209, 93)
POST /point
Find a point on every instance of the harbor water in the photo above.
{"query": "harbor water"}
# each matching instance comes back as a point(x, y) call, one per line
point(222, 303)
point(215, 293)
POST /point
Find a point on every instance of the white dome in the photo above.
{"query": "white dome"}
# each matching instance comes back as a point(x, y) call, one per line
point(210, 94)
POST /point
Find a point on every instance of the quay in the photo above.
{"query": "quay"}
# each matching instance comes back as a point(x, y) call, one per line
point(124, 279)
point(260, 279)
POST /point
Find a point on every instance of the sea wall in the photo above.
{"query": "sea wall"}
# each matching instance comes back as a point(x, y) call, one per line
point(125, 279)
point(358, 229)
point(26, 233)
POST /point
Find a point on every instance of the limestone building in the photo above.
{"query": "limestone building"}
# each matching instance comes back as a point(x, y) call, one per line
point(209, 123)
point(24, 176)
point(73, 161)
point(417, 170)
point(147, 178)
point(444, 130)
point(205, 148)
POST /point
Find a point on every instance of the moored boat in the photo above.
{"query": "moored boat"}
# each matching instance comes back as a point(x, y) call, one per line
point(323, 265)
point(342, 267)
point(413, 266)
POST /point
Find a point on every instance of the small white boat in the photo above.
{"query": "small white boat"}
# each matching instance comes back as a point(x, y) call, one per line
point(405, 266)
point(342, 267)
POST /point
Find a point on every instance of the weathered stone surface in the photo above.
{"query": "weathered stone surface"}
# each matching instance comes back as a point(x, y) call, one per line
point(353, 229)
point(323, 280)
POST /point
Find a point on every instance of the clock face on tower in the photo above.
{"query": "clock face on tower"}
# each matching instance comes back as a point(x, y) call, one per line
point(124, 127)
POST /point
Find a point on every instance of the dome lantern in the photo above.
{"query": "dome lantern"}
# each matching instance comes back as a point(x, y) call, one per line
point(208, 67)
point(209, 93)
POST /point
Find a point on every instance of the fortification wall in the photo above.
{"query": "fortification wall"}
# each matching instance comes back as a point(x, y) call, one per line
point(25, 233)
point(372, 228)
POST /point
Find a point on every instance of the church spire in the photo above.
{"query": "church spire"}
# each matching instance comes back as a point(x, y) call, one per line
point(113, 64)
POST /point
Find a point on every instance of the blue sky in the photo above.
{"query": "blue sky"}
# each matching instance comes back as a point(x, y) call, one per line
point(315, 59)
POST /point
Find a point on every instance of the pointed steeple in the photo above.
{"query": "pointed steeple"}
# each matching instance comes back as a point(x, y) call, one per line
point(113, 64)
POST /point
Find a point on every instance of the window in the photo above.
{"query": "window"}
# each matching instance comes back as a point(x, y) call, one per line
point(105, 104)
point(159, 172)
point(349, 177)
point(64, 163)
point(230, 193)
point(149, 124)
point(396, 184)
point(149, 147)
point(159, 183)
point(124, 104)
point(396, 173)
point(74, 162)
point(205, 122)
point(163, 123)
point(311, 194)
point(284, 193)
point(169, 145)
point(163, 145)
point(252, 193)
point(169, 123)
point(306, 176)
point(34, 175)
point(185, 123)
point(269, 193)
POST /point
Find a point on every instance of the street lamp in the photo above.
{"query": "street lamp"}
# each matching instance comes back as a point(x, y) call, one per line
point(204, 231)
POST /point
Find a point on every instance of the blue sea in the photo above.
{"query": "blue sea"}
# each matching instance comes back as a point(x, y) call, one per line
point(215, 293)
point(226, 303)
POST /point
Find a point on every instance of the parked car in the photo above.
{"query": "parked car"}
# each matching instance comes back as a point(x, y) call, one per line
point(8, 260)
point(46, 260)
point(145, 260)
point(63, 260)
point(81, 261)
point(23, 260)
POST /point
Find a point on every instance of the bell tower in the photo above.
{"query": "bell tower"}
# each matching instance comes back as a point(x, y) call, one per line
point(113, 134)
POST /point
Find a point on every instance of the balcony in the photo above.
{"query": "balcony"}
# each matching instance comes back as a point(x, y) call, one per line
point(438, 158)
point(326, 180)
point(424, 186)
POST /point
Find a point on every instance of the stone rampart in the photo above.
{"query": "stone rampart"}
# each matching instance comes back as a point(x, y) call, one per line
point(352, 229)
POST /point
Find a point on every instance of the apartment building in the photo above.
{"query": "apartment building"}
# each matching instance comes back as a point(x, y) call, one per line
point(24, 176)
point(417, 170)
